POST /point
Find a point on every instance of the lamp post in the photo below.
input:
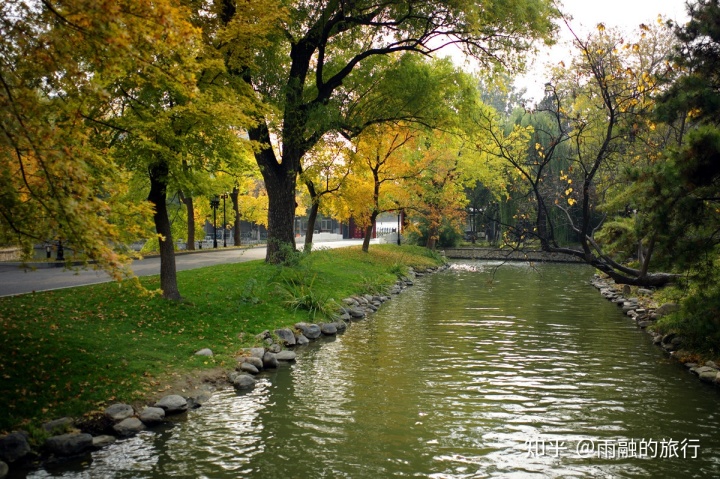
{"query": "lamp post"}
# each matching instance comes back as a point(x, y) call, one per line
point(492, 212)
point(223, 196)
point(214, 204)
point(398, 228)
point(472, 225)
point(483, 215)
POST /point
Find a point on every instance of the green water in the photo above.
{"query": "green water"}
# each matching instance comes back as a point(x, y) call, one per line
point(466, 375)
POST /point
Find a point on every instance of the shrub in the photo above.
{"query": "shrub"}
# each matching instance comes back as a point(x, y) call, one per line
point(698, 321)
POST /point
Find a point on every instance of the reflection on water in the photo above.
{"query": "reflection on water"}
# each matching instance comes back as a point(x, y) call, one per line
point(471, 373)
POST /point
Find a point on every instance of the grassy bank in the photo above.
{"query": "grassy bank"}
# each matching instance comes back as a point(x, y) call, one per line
point(73, 351)
point(697, 321)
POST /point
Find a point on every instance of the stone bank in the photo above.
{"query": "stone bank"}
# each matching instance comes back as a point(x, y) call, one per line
point(642, 311)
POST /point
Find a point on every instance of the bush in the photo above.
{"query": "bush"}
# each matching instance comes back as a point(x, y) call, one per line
point(698, 321)
point(291, 257)
point(449, 237)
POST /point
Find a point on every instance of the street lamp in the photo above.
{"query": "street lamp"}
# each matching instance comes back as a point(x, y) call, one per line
point(398, 228)
point(214, 204)
point(492, 212)
point(472, 225)
point(223, 196)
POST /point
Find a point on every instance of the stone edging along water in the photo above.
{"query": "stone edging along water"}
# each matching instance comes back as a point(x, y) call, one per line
point(123, 420)
point(642, 312)
point(500, 254)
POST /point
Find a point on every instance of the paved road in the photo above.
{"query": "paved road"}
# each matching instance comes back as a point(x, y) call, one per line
point(14, 281)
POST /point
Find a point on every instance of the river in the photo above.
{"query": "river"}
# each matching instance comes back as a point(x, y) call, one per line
point(517, 373)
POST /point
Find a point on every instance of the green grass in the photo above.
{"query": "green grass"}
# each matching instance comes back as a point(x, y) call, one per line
point(74, 351)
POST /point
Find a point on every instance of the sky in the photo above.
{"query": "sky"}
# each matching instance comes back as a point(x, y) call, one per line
point(586, 14)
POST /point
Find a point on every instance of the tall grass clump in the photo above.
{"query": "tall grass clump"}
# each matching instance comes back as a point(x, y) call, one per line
point(299, 293)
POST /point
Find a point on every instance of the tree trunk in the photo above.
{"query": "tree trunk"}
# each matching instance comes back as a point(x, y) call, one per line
point(158, 197)
point(281, 216)
point(542, 221)
point(376, 207)
point(234, 197)
point(432, 238)
point(188, 201)
point(280, 181)
point(368, 233)
point(312, 216)
point(366, 239)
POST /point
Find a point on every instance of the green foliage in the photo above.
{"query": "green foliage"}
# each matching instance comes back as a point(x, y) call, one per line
point(178, 230)
point(681, 193)
point(619, 237)
point(448, 236)
point(152, 245)
point(678, 198)
point(287, 256)
point(60, 63)
point(696, 90)
point(37, 435)
point(362, 77)
point(697, 322)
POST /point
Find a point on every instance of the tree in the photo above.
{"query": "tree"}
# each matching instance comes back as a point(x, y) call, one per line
point(682, 194)
point(325, 172)
point(59, 60)
point(97, 88)
point(331, 54)
point(180, 133)
point(249, 202)
point(598, 106)
point(384, 158)
point(436, 195)
point(253, 203)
